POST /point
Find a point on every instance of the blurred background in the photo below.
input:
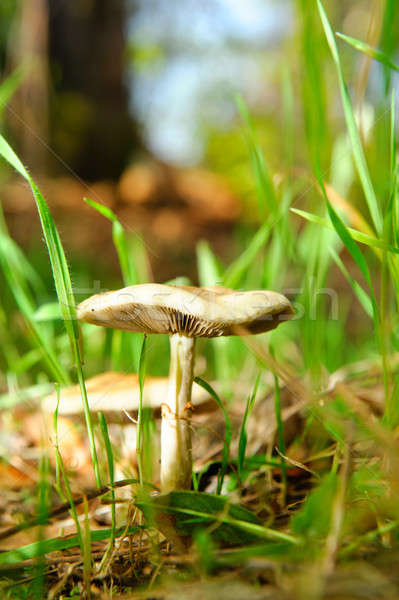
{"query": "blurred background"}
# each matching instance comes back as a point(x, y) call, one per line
point(133, 104)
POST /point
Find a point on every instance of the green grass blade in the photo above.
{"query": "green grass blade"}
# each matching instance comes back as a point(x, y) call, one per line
point(313, 520)
point(362, 296)
point(209, 270)
point(368, 538)
point(210, 274)
point(69, 496)
point(58, 544)
point(264, 183)
point(62, 476)
point(130, 276)
point(313, 85)
point(108, 448)
point(354, 136)
point(87, 555)
point(14, 270)
point(353, 249)
point(43, 505)
point(10, 85)
point(359, 236)
point(129, 272)
point(57, 484)
point(110, 461)
point(368, 50)
point(242, 443)
point(280, 431)
point(393, 136)
point(63, 285)
point(48, 312)
point(10, 353)
point(389, 36)
point(250, 528)
point(349, 243)
point(26, 270)
point(391, 414)
point(287, 124)
point(236, 271)
point(227, 431)
point(140, 436)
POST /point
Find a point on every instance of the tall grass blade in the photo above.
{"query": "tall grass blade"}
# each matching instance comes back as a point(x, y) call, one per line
point(129, 272)
point(26, 270)
point(44, 490)
point(58, 483)
point(237, 270)
point(353, 249)
point(359, 292)
point(242, 443)
point(140, 437)
point(227, 431)
point(13, 264)
point(69, 496)
point(288, 116)
point(280, 432)
point(369, 51)
point(87, 556)
point(264, 183)
point(130, 277)
point(354, 136)
point(210, 274)
point(389, 37)
point(58, 544)
point(209, 269)
point(110, 461)
point(63, 285)
point(313, 86)
point(359, 236)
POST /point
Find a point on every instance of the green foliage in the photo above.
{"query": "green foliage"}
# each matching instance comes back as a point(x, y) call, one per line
point(227, 431)
point(313, 520)
point(189, 512)
point(57, 544)
point(304, 249)
point(20, 276)
point(131, 274)
point(388, 38)
point(264, 184)
point(313, 86)
point(62, 282)
point(140, 437)
point(359, 236)
point(353, 131)
point(280, 430)
point(111, 470)
point(242, 443)
point(369, 51)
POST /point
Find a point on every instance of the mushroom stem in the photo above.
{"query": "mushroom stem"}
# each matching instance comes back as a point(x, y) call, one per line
point(176, 458)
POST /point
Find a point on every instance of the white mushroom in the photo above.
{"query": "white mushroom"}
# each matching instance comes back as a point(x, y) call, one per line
point(184, 313)
point(116, 392)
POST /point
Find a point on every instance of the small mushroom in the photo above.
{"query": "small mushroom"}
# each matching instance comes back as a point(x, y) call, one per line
point(184, 313)
point(118, 395)
point(114, 392)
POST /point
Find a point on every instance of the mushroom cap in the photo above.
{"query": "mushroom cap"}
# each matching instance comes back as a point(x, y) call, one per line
point(190, 311)
point(114, 392)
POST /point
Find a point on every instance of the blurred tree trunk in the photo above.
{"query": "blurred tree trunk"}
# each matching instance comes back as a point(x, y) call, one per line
point(91, 128)
point(28, 109)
